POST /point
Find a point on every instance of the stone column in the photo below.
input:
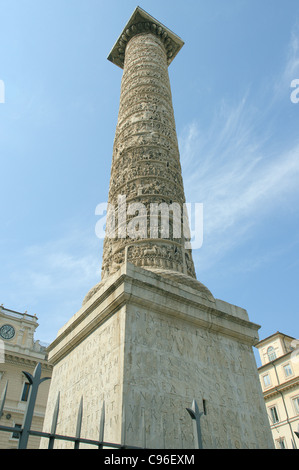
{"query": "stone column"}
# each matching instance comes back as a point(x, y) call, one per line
point(147, 345)
point(146, 192)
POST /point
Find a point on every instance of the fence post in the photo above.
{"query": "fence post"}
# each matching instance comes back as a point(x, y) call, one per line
point(196, 415)
point(54, 423)
point(102, 427)
point(123, 427)
point(79, 424)
point(143, 430)
point(35, 382)
point(3, 398)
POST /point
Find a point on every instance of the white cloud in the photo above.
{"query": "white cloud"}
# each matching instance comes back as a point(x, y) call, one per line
point(71, 255)
point(52, 278)
point(243, 166)
point(236, 171)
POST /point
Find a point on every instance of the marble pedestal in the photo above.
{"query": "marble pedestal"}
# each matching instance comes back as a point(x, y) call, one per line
point(149, 343)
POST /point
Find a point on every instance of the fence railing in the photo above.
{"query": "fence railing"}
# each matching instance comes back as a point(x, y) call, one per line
point(25, 431)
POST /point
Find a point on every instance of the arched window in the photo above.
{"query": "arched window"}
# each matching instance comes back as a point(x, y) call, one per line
point(271, 353)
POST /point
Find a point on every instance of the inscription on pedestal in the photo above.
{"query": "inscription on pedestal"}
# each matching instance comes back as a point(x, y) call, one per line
point(171, 362)
point(94, 370)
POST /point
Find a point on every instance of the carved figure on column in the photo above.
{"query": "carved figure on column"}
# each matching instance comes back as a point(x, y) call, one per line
point(146, 162)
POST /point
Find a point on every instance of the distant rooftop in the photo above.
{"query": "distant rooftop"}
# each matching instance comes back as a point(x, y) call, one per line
point(16, 314)
point(278, 333)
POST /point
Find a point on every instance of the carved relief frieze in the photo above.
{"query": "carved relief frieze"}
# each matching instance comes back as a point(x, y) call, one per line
point(146, 162)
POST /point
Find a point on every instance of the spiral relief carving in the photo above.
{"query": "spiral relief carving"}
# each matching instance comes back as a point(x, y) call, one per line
point(146, 163)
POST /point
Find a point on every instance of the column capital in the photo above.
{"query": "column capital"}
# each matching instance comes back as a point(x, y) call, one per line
point(141, 22)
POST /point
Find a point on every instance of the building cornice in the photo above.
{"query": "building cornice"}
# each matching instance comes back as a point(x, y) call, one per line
point(266, 340)
point(276, 361)
point(278, 389)
point(23, 360)
point(17, 411)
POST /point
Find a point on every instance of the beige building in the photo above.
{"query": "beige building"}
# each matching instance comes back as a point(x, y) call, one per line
point(20, 352)
point(279, 377)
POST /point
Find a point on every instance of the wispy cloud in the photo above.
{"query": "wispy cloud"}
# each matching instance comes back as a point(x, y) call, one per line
point(240, 167)
point(59, 260)
point(53, 277)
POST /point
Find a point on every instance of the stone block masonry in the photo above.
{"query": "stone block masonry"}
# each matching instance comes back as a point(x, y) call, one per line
point(148, 345)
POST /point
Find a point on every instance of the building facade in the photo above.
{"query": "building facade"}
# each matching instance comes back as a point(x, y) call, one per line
point(279, 377)
point(20, 352)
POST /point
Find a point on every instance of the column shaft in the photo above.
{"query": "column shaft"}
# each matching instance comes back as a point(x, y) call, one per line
point(146, 167)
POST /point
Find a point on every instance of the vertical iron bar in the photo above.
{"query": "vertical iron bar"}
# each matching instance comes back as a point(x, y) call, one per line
point(35, 382)
point(3, 396)
point(180, 433)
point(196, 415)
point(79, 423)
point(143, 430)
point(123, 427)
point(54, 423)
point(102, 427)
point(163, 431)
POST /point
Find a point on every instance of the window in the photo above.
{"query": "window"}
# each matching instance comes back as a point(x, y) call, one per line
point(296, 404)
point(266, 379)
point(16, 435)
point(25, 392)
point(274, 414)
point(287, 370)
point(280, 443)
point(271, 353)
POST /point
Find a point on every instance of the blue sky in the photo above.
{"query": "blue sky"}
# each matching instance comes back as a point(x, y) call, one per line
point(238, 136)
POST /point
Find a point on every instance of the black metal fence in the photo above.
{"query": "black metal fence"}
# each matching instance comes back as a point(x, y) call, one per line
point(25, 430)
